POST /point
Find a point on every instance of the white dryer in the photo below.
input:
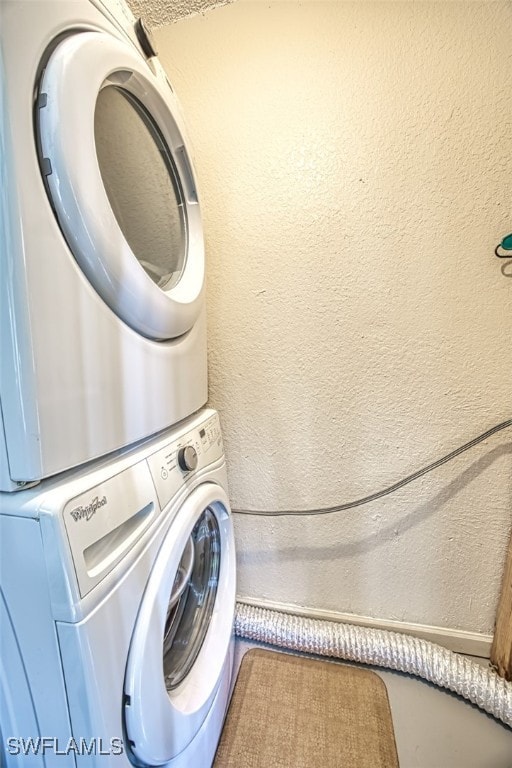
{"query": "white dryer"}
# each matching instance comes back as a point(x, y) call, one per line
point(102, 316)
point(116, 608)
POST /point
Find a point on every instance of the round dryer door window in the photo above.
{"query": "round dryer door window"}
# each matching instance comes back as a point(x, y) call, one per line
point(151, 214)
point(180, 650)
point(116, 167)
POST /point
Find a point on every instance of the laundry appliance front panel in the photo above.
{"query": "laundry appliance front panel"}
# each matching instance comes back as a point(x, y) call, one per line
point(129, 602)
point(103, 330)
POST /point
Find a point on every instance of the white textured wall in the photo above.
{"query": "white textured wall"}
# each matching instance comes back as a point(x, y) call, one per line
point(355, 164)
point(159, 12)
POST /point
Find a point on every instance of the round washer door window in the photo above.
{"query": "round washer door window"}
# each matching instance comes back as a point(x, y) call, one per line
point(180, 645)
point(121, 182)
point(192, 600)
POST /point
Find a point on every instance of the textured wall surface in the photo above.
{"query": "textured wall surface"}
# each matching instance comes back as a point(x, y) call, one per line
point(355, 164)
point(159, 12)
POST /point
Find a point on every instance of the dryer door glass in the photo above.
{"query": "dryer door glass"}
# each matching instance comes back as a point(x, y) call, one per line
point(192, 600)
point(142, 184)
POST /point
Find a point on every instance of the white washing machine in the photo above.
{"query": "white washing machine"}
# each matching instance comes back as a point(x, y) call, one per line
point(116, 608)
point(102, 316)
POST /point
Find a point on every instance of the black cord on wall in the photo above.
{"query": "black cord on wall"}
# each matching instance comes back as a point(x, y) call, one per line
point(379, 494)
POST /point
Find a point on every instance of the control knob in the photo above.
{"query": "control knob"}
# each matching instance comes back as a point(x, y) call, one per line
point(187, 458)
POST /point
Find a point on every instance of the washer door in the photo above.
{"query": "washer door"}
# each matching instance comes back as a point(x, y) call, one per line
point(121, 183)
point(183, 630)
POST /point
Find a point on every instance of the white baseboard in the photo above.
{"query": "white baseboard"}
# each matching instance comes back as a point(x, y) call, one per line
point(469, 643)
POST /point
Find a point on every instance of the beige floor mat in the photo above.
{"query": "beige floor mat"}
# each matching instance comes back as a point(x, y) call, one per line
point(294, 712)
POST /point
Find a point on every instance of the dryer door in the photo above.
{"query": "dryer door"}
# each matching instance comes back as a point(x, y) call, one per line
point(183, 631)
point(120, 180)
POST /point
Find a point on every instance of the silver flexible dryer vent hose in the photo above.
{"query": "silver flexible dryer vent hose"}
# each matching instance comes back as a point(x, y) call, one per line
point(380, 648)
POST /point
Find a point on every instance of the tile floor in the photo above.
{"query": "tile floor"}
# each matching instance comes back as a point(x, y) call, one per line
point(436, 729)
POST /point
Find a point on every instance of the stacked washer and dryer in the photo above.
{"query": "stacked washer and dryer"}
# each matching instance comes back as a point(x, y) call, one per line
point(117, 563)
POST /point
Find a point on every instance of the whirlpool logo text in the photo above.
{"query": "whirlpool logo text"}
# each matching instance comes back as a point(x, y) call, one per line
point(85, 512)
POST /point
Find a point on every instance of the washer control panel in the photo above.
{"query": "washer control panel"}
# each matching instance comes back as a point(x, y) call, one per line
point(171, 465)
point(210, 434)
